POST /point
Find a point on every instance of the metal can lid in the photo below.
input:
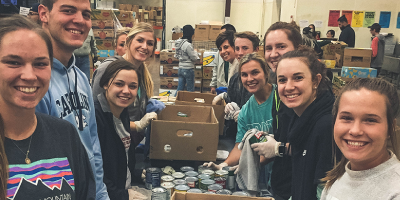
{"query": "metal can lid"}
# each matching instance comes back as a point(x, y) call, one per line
point(194, 190)
point(215, 187)
point(204, 176)
point(186, 169)
point(207, 182)
point(220, 179)
point(153, 170)
point(209, 192)
point(179, 182)
point(241, 193)
point(178, 175)
point(182, 187)
point(221, 172)
point(167, 185)
point(191, 173)
point(191, 179)
point(224, 191)
point(159, 190)
point(167, 178)
point(208, 171)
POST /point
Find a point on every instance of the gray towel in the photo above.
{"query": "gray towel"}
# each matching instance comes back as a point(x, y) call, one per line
point(249, 165)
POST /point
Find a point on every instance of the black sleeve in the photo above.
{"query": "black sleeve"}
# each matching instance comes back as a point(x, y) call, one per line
point(324, 151)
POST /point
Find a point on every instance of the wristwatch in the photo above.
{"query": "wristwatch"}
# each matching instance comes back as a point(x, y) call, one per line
point(282, 149)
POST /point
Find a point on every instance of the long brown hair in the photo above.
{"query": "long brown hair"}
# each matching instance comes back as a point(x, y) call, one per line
point(3, 164)
point(392, 110)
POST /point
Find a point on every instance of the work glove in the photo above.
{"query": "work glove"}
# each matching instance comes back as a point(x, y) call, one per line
point(219, 98)
point(214, 166)
point(268, 149)
point(231, 111)
point(236, 168)
point(145, 121)
point(236, 115)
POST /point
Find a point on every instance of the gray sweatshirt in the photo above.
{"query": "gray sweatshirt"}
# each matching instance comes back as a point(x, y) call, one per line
point(185, 53)
point(89, 46)
point(377, 61)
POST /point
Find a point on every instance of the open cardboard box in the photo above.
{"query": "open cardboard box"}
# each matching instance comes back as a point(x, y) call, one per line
point(194, 137)
point(202, 196)
point(187, 98)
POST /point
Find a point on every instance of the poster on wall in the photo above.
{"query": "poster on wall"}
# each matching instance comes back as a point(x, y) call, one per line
point(303, 23)
point(318, 24)
point(369, 18)
point(398, 20)
point(348, 14)
point(358, 19)
point(333, 17)
point(384, 19)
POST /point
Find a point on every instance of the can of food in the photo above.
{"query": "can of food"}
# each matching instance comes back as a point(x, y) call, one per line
point(169, 186)
point(192, 182)
point(159, 193)
point(214, 187)
point(209, 192)
point(209, 172)
point(205, 183)
point(167, 178)
point(224, 192)
point(191, 174)
point(201, 168)
point(221, 173)
point(265, 193)
point(230, 181)
point(194, 190)
point(186, 169)
point(153, 177)
point(203, 177)
point(241, 193)
point(179, 182)
point(181, 188)
point(178, 175)
point(221, 181)
point(258, 138)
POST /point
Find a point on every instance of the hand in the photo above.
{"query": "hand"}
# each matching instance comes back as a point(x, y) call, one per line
point(228, 108)
point(236, 168)
point(236, 115)
point(214, 166)
point(266, 149)
point(218, 98)
point(213, 90)
point(145, 121)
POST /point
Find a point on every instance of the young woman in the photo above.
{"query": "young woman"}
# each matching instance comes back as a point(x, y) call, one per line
point(120, 82)
point(45, 154)
point(120, 40)
point(3, 164)
point(303, 87)
point(140, 45)
point(365, 119)
point(187, 56)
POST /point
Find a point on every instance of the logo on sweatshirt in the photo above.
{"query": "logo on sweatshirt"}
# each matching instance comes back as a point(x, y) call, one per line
point(68, 103)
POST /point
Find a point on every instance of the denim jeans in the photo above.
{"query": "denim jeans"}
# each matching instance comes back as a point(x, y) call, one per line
point(186, 77)
point(83, 63)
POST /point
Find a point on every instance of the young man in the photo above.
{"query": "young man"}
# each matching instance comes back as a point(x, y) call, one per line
point(69, 96)
point(227, 27)
point(377, 46)
point(347, 35)
point(228, 65)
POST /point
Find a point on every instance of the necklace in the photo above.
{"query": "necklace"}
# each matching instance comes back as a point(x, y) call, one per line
point(27, 160)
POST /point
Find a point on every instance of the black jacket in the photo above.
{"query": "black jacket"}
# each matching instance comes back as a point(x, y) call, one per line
point(348, 36)
point(113, 150)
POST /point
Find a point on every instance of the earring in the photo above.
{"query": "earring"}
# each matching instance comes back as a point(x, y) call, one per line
point(315, 88)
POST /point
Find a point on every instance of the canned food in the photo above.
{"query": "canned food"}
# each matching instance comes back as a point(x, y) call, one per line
point(221, 173)
point(214, 187)
point(224, 191)
point(179, 182)
point(209, 192)
point(221, 181)
point(201, 168)
point(181, 188)
point(194, 190)
point(178, 175)
point(153, 177)
point(241, 193)
point(209, 172)
point(169, 186)
point(186, 169)
point(230, 181)
point(203, 177)
point(191, 174)
point(205, 183)
point(159, 193)
point(192, 182)
point(167, 178)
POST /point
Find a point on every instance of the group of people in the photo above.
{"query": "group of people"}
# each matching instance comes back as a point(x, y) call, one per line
point(61, 137)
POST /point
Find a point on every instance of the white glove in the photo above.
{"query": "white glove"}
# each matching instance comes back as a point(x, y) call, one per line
point(231, 111)
point(214, 166)
point(219, 98)
point(143, 175)
point(145, 121)
point(230, 107)
point(236, 168)
point(268, 148)
point(236, 115)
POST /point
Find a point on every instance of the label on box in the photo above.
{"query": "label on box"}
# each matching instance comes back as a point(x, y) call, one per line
point(197, 82)
point(105, 53)
point(198, 67)
point(103, 34)
point(104, 45)
point(101, 14)
point(161, 69)
point(102, 24)
point(176, 79)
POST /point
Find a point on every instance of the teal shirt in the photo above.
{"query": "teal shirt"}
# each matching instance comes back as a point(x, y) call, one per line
point(255, 116)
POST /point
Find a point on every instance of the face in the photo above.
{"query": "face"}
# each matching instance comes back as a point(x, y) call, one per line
point(243, 46)
point(329, 35)
point(276, 44)
point(361, 128)
point(227, 52)
point(222, 30)
point(25, 69)
point(342, 25)
point(295, 86)
point(120, 49)
point(372, 31)
point(142, 46)
point(312, 28)
point(68, 23)
point(122, 91)
point(253, 77)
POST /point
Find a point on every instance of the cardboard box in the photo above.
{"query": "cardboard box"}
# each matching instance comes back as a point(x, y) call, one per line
point(202, 196)
point(152, 14)
point(103, 34)
point(201, 32)
point(176, 36)
point(123, 15)
point(159, 14)
point(187, 98)
point(206, 88)
point(169, 82)
point(194, 137)
point(198, 71)
point(358, 72)
point(105, 45)
point(329, 63)
point(210, 58)
point(214, 32)
point(357, 57)
point(207, 72)
point(102, 24)
point(329, 51)
point(101, 14)
point(197, 85)
point(168, 57)
point(127, 7)
point(339, 82)
point(127, 23)
point(169, 70)
point(135, 8)
point(105, 53)
point(339, 60)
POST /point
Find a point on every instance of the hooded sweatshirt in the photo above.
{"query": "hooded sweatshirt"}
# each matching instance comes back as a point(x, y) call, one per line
point(185, 53)
point(378, 51)
point(69, 85)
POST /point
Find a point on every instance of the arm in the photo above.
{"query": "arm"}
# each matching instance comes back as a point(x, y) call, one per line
point(234, 156)
point(214, 77)
point(374, 46)
point(191, 53)
point(324, 148)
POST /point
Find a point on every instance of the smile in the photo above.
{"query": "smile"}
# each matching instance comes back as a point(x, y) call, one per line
point(27, 89)
point(292, 96)
point(142, 52)
point(355, 144)
point(75, 31)
point(124, 98)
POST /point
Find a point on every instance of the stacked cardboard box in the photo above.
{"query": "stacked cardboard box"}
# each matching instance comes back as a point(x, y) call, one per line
point(334, 51)
point(357, 57)
point(103, 31)
point(358, 72)
point(206, 32)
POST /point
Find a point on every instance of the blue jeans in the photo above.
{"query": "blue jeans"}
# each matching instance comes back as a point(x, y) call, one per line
point(83, 63)
point(186, 77)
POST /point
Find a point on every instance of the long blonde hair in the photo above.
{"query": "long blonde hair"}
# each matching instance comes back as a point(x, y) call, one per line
point(146, 79)
point(3, 164)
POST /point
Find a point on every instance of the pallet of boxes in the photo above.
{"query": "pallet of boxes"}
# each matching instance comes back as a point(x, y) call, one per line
point(103, 31)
